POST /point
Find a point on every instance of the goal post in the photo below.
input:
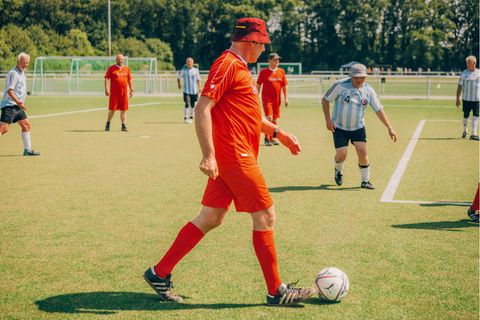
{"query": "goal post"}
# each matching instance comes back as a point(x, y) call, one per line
point(84, 75)
point(289, 67)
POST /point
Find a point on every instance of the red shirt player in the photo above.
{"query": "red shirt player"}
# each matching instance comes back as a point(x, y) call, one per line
point(274, 81)
point(117, 78)
point(228, 122)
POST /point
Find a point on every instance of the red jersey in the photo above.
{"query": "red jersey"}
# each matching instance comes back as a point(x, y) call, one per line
point(119, 77)
point(236, 116)
point(272, 82)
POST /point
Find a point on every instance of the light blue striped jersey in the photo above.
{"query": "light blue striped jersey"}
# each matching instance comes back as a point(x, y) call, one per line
point(350, 104)
point(190, 78)
point(17, 81)
point(470, 83)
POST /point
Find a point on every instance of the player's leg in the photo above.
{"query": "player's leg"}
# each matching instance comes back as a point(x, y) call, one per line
point(123, 118)
point(186, 107)
point(268, 112)
point(6, 119)
point(466, 107)
point(3, 128)
point(340, 140)
point(264, 245)
point(472, 212)
point(475, 111)
point(275, 117)
point(363, 164)
point(27, 144)
point(109, 119)
point(193, 101)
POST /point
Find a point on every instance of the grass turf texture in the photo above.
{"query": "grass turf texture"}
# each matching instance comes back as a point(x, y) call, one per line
point(80, 223)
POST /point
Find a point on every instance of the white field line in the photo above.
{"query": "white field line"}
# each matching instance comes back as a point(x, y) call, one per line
point(48, 115)
point(392, 186)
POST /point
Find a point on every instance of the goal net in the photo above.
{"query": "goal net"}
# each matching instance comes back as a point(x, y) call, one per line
point(85, 75)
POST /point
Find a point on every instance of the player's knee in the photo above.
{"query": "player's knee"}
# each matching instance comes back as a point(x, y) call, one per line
point(25, 126)
point(3, 129)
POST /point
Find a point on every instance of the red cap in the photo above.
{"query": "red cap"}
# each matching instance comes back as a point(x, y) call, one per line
point(250, 29)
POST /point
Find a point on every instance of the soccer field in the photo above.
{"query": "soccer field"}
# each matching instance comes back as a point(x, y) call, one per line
point(81, 223)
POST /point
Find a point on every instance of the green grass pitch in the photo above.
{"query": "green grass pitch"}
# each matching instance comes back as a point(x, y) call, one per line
point(80, 223)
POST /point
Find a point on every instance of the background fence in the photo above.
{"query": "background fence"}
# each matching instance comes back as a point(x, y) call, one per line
point(300, 86)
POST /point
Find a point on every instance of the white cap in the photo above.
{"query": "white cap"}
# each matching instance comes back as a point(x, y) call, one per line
point(358, 70)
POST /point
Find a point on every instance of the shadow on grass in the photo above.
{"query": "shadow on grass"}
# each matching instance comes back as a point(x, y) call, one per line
point(329, 187)
point(439, 225)
point(440, 138)
point(84, 130)
point(112, 302)
point(445, 204)
point(11, 155)
point(164, 122)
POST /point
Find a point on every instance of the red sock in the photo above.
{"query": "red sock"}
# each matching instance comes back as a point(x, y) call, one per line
point(274, 122)
point(186, 240)
point(265, 249)
point(475, 203)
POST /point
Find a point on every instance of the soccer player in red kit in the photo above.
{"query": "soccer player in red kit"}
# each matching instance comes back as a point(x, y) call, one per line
point(117, 78)
point(274, 81)
point(228, 122)
point(472, 211)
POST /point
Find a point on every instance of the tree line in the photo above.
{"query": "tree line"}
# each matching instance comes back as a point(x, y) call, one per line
point(321, 34)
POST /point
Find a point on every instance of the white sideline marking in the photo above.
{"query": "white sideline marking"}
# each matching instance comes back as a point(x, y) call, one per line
point(392, 186)
point(87, 110)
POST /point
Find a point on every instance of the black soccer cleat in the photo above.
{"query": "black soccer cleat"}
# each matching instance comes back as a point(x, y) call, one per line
point(474, 137)
point(464, 134)
point(288, 295)
point(338, 177)
point(473, 215)
point(367, 185)
point(267, 142)
point(274, 142)
point(124, 128)
point(107, 126)
point(30, 153)
point(163, 287)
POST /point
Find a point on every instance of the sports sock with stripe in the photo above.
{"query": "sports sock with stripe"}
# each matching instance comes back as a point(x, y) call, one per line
point(364, 172)
point(27, 144)
point(475, 126)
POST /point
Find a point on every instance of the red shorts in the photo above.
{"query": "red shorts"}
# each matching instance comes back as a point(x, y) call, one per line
point(271, 109)
point(241, 182)
point(117, 102)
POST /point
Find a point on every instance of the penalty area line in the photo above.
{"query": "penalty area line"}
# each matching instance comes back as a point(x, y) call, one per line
point(48, 115)
point(392, 186)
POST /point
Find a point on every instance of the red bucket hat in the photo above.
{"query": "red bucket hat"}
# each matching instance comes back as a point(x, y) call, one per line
point(250, 29)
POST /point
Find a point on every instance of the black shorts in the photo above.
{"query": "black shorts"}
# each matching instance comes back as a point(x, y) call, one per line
point(190, 100)
point(342, 137)
point(12, 114)
point(470, 106)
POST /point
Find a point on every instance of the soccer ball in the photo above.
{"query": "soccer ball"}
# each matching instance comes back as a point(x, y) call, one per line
point(331, 284)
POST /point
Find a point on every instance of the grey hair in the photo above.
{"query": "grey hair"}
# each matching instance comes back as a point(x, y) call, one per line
point(471, 58)
point(22, 55)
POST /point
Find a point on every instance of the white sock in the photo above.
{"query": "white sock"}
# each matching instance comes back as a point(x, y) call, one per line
point(465, 124)
point(475, 126)
point(185, 113)
point(365, 173)
point(27, 144)
point(339, 165)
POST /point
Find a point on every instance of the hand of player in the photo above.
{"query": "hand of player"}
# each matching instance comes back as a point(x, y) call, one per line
point(107, 93)
point(330, 125)
point(179, 86)
point(290, 141)
point(457, 103)
point(209, 167)
point(131, 93)
point(286, 102)
point(22, 106)
point(393, 134)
